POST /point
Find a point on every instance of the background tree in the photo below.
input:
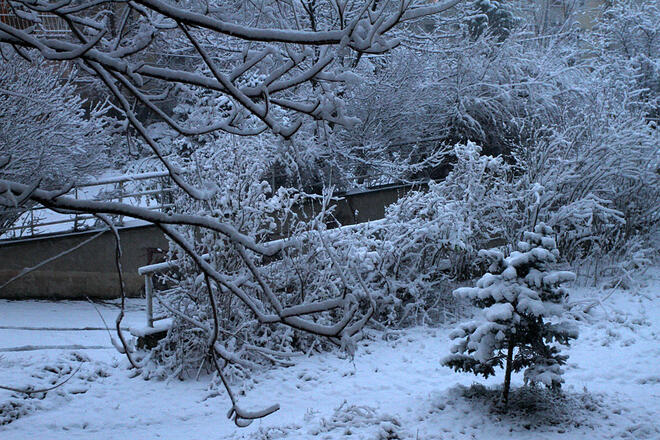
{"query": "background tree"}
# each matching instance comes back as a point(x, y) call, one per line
point(50, 133)
point(626, 41)
point(566, 109)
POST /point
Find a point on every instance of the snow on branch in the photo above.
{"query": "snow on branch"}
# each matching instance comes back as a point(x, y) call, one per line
point(260, 66)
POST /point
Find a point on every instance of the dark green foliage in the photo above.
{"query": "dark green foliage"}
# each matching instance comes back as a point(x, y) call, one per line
point(492, 17)
point(520, 295)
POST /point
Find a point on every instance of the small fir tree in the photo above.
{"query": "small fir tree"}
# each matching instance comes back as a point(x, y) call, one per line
point(522, 300)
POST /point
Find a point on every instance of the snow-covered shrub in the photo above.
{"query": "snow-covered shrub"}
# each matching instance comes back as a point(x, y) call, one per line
point(430, 238)
point(450, 88)
point(626, 42)
point(597, 173)
point(597, 158)
point(522, 299)
point(307, 272)
point(572, 112)
point(46, 127)
point(408, 261)
point(47, 130)
point(622, 268)
point(244, 201)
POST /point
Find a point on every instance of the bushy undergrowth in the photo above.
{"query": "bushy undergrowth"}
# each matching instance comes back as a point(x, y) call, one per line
point(246, 202)
point(566, 135)
point(409, 262)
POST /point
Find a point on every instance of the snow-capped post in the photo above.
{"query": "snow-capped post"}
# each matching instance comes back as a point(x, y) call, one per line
point(523, 303)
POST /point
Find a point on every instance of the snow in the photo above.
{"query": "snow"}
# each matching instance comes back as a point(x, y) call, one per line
point(499, 312)
point(530, 303)
point(158, 327)
point(395, 387)
point(558, 277)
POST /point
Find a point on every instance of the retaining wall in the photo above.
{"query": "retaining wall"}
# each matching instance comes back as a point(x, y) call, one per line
point(90, 270)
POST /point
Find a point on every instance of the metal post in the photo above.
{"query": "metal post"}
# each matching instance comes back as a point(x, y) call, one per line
point(121, 199)
point(149, 293)
point(75, 216)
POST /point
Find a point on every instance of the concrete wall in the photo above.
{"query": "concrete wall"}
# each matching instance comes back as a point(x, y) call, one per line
point(90, 270)
point(363, 206)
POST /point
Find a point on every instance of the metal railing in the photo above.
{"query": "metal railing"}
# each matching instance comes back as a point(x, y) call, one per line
point(148, 273)
point(29, 222)
point(48, 25)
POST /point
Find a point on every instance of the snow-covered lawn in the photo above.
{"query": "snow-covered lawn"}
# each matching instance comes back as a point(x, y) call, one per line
point(395, 388)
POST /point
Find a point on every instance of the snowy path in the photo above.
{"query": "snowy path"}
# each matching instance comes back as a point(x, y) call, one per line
point(395, 388)
point(35, 323)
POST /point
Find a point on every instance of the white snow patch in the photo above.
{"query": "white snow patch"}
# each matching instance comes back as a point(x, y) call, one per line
point(499, 312)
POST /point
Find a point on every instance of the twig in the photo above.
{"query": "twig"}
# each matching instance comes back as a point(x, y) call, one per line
point(100, 316)
point(122, 288)
point(29, 391)
point(53, 258)
point(240, 417)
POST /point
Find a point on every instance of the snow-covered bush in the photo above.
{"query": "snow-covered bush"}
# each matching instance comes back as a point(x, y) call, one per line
point(596, 171)
point(429, 239)
point(299, 274)
point(522, 300)
point(572, 112)
point(626, 42)
point(608, 193)
point(450, 88)
point(46, 127)
point(409, 261)
point(244, 201)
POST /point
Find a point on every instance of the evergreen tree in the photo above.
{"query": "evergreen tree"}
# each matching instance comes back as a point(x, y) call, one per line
point(522, 300)
point(493, 16)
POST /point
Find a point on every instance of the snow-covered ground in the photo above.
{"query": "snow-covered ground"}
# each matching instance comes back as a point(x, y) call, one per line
point(394, 388)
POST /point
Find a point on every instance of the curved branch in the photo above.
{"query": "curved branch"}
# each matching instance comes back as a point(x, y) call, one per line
point(122, 289)
point(29, 391)
point(243, 32)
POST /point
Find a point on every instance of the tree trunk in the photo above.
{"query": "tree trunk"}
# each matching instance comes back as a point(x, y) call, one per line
point(507, 374)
